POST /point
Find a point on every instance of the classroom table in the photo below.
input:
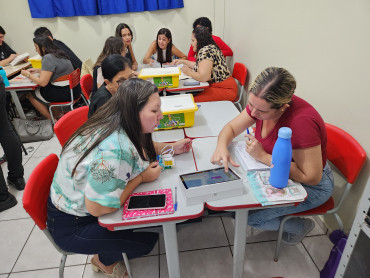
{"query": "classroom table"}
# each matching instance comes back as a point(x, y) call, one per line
point(203, 149)
point(167, 179)
point(211, 117)
point(12, 70)
point(169, 135)
point(187, 89)
point(13, 88)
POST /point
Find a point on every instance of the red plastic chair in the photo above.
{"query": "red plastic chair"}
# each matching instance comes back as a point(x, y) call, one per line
point(69, 123)
point(240, 73)
point(35, 198)
point(74, 80)
point(349, 157)
point(86, 87)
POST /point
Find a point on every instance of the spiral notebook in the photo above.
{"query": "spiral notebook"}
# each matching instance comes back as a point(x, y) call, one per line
point(136, 214)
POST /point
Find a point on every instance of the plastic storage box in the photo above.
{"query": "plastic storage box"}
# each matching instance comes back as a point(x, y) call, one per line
point(178, 111)
point(162, 77)
point(36, 63)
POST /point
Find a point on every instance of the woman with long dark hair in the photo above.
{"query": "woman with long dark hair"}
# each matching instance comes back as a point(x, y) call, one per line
point(162, 49)
point(124, 31)
point(53, 79)
point(99, 167)
point(211, 67)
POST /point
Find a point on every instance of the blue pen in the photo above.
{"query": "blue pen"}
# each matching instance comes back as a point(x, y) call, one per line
point(247, 130)
point(250, 141)
point(175, 198)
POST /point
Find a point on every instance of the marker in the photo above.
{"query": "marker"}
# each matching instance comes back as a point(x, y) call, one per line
point(175, 198)
point(250, 141)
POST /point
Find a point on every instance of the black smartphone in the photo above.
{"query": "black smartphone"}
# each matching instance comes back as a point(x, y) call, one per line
point(140, 202)
point(191, 83)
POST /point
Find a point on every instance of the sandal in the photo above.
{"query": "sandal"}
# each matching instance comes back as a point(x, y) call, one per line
point(119, 270)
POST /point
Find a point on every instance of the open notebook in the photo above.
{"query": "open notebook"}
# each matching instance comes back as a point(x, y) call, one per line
point(135, 214)
point(19, 59)
point(247, 162)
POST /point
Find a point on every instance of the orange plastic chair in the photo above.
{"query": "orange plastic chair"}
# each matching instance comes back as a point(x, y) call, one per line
point(35, 198)
point(86, 87)
point(69, 123)
point(349, 157)
point(240, 73)
point(74, 80)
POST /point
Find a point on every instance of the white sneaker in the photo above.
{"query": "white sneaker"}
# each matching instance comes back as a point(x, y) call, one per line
point(293, 239)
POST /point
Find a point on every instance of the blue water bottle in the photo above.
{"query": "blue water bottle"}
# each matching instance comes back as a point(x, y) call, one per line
point(281, 158)
point(3, 75)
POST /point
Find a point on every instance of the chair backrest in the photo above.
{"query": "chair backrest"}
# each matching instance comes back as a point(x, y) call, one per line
point(69, 123)
point(74, 78)
point(240, 73)
point(344, 152)
point(37, 190)
point(86, 85)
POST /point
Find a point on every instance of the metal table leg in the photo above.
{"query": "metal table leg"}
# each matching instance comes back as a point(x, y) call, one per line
point(241, 219)
point(172, 251)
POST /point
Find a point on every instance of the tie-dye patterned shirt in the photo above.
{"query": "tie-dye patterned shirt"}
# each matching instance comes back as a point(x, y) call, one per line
point(101, 176)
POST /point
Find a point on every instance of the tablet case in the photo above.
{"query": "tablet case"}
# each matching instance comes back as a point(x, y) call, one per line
point(135, 214)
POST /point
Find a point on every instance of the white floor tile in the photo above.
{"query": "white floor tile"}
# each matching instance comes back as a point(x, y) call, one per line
point(39, 253)
point(4, 275)
point(16, 212)
point(69, 272)
point(48, 147)
point(31, 149)
point(145, 267)
point(319, 255)
point(206, 234)
point(13, 236)
point(214, 262)
point(294, 261)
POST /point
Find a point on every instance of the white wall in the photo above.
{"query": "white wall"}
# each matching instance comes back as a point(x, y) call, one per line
point(324, 44)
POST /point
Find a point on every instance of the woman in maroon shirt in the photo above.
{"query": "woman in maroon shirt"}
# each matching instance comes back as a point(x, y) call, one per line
point(271, 105)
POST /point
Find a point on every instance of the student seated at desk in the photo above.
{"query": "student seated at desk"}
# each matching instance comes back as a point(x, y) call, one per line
point(43, 31)
point(53, 79)
point(115, 69)
point(113, 45)
point(124, 31)
point(272, 105)
point(6, 53)
point(210, 67)
point(205, 22)
point(99, 167)
point(162, 49)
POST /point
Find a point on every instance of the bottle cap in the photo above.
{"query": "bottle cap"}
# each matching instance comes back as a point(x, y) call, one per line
point(285, 133)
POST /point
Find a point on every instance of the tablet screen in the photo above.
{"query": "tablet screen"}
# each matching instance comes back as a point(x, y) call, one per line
point(212, 176)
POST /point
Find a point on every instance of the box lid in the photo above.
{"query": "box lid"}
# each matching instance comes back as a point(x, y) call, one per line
point(158, 72)
point(178, 104)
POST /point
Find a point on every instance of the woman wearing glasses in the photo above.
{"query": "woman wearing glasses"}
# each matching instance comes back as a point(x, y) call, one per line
point(124, 31)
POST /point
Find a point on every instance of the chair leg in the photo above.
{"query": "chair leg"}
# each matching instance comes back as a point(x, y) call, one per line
point(340, 223)
point(240, 107)
point(61, 266)
point(51, 114)
point(280, 236)
point(127, 265)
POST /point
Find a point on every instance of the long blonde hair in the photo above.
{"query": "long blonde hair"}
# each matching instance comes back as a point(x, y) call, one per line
point(275, 85)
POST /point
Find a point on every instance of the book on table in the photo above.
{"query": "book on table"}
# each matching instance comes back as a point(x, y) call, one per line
point(19, 59)
point(266, 194)
point(136, 214)
point(246, 161)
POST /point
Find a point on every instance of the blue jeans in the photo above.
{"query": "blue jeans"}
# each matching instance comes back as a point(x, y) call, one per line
point(84, 235)
point(269, 219)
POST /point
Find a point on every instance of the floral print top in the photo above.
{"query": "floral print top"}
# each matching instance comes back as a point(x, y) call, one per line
point(101, 176)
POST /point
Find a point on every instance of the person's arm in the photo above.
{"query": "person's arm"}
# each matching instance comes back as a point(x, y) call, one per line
point(204, 72)
point(189, 64)
point(99, 77)
point(134, 62)
point(151, 173)
point(221, 155)
point(43, 80)
point(179, 147)
point(178, 53)
point(191, 54)
point(148, 55)
point(6, 61)
point(226, 50)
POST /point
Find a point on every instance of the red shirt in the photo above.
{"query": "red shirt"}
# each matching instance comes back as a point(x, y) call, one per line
point(226, 50)
point(308, 128)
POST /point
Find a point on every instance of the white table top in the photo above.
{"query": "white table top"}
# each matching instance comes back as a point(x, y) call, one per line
point(211, 118)
point(10, 70)
point(170, 135)
point(184, 89)
point(169, 178)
